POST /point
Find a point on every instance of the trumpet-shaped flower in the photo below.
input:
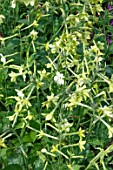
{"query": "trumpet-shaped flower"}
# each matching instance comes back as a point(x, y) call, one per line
point(81, 145)
point(110, 132)
point(54, 148)
point(81, 133)
point(13, 4)
point(20, 93)
point(3, 59)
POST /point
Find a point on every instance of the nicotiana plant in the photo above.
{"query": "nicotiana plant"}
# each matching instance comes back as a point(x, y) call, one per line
point(56, 84)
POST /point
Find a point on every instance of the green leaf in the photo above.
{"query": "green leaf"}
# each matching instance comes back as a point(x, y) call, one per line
point(20, 125)
point(13, 167)
point(33, 136)
point(77, 167)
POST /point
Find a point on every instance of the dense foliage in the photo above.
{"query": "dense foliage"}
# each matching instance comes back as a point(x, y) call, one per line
point(56, 84)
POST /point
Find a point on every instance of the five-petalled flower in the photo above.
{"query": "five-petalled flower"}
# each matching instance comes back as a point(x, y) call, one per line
point(59, 78)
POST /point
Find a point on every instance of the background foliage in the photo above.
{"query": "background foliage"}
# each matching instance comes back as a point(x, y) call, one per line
point(56, 84)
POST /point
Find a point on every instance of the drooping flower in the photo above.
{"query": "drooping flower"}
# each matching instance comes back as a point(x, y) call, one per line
point(110, 132)
point(3, 59)
point(13, 4)
point(59, 78)
point(33, 34)
point(81, 145)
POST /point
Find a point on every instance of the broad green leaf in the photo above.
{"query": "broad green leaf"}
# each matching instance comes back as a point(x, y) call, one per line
point(13, 167)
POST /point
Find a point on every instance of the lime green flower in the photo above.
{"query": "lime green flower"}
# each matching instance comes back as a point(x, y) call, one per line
point(50, 99)
point(81, 145)
point(81, 133)
point(54, 148)
point(110, 132)
point(2, 144)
